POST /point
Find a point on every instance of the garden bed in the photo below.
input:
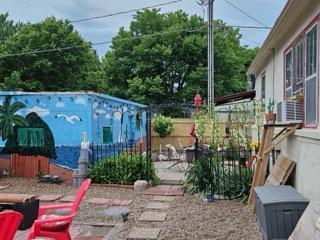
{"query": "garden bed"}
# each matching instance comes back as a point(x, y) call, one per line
point(189, 217)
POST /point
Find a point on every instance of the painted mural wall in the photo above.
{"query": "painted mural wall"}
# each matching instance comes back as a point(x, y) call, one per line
point(105, 119)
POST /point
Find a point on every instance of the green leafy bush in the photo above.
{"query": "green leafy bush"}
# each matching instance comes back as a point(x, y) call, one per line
point(125, 168)
point(212, 175)
point(162, 125)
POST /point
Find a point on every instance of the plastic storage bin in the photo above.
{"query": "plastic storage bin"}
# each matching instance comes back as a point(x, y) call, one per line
point(278, 208)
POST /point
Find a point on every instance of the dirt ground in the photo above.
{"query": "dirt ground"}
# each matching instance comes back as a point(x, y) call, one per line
point(189, 217)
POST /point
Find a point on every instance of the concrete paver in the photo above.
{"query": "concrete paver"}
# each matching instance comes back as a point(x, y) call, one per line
point(165, 190)
point(163, 198)
point(150, 216)
point(144, 233)
point(157, 205)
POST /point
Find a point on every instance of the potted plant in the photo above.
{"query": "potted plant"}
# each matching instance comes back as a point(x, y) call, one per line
point(270, 117)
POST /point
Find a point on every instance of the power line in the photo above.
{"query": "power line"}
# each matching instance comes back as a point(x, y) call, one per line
point(100, 43)
point(247, 14)
point(249, 27)
point(114, 40)
point(125, 12)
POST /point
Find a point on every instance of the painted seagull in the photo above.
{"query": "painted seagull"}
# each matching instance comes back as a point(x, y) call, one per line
point(70, 119)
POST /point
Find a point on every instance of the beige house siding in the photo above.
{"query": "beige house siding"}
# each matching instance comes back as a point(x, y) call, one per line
point(304, 146)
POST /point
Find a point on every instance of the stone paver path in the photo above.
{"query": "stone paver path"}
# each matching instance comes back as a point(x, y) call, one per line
point(163, 198)
point(150, 216)
point(157, 205)
point(49, 198)
point(164, 190)
point(156, 213)
point(144, 233)
point(110, 202)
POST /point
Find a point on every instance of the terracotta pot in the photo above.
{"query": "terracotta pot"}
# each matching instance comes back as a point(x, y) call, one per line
point(270, 118)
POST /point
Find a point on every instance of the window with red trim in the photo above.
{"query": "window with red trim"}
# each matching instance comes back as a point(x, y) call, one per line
point(301, 72)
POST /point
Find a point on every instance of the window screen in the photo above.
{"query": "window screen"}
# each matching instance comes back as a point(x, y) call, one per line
point(311, 78)
point(298, 69)
point(288, 71)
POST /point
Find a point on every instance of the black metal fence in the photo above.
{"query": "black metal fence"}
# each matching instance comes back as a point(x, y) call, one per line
point(119, 163)
point(221, 173)
point(103, 151)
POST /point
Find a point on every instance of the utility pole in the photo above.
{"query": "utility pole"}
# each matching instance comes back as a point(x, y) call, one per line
point(210, 56)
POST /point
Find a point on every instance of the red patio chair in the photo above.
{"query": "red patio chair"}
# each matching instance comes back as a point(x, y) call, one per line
point(9, 223)
point(52, 226)
point(57, 226)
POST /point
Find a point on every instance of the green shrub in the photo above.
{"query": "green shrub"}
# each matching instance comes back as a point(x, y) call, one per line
point(125, 168)
point(162, 125)
point(205, 177)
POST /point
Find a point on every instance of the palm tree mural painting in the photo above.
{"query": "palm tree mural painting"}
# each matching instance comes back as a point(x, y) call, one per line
point(35, 144)
point(9, 117)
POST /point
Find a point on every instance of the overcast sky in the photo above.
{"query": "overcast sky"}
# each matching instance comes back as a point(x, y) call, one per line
point(100, 30)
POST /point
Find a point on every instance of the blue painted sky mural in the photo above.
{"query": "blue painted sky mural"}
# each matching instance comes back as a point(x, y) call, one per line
point(106, 119)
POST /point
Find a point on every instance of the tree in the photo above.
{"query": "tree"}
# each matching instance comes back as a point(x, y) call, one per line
point(7, 27)
point(9, 117)
point(172, 67)
point(54, 70)
point(163, 126)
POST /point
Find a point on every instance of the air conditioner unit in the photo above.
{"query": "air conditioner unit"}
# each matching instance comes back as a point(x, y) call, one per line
point(290, 111)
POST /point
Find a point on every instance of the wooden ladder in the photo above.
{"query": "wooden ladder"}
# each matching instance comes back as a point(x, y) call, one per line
point(268, 143)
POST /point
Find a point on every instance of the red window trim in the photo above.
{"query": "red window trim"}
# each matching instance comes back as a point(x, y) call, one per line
point(301, 35)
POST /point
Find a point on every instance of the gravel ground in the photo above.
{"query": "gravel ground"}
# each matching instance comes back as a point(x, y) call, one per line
point(188, 217)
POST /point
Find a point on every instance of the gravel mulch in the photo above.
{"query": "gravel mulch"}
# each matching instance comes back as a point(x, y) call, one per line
point(188, 217)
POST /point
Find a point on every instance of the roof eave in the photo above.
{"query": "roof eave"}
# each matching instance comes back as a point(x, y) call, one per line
point(263, 53)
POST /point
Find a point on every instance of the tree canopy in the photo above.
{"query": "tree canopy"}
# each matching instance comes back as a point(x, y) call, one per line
point(161, 58)
point(49, 71)
point(172, 67)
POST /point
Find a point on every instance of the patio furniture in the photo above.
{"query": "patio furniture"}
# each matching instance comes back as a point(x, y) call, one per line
point(9, 223)
point(25, 204)
point(183, 155)
point(54, 225)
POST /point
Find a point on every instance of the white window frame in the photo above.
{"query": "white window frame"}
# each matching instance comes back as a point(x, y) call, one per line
point(306, 79)
point(294, 80)
point(290, 51)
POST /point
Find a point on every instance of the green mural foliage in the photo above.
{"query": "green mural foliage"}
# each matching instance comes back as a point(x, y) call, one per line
point(36, 139)
point(9, 118)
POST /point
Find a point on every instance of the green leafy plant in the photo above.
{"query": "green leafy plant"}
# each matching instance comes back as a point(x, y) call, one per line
point(208, 125)
point(162, 125)
point(125, 168)
point(211, 175)
point(271, 104)
point(258, 116)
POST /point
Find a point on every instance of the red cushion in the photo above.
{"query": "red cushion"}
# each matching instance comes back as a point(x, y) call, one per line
point(54, 226)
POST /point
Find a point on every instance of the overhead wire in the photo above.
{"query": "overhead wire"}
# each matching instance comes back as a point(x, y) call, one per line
point(60, 49)
point(125, 12)
point(247, 14)
point(124, 39)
